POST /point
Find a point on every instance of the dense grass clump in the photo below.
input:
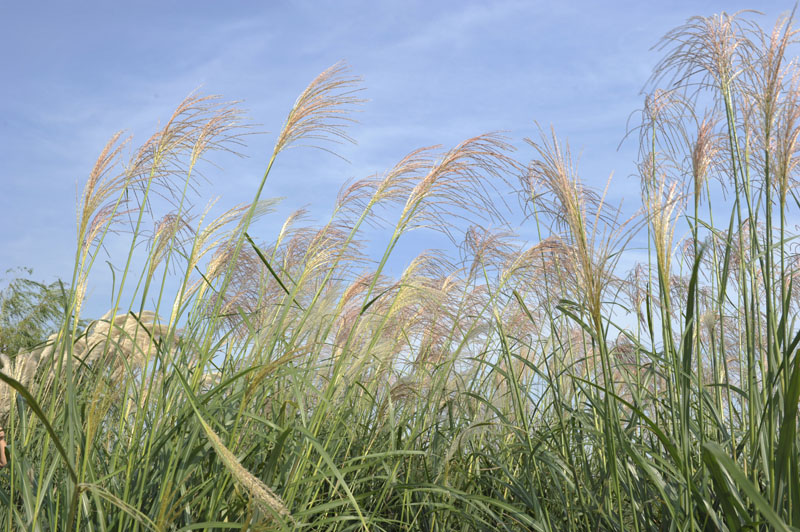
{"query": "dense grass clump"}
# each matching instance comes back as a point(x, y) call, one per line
point(290, 383)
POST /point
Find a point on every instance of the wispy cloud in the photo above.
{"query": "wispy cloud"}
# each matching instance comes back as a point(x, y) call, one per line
point(436, 72)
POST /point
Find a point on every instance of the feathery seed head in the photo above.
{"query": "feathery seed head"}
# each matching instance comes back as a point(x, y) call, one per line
point(321, 112)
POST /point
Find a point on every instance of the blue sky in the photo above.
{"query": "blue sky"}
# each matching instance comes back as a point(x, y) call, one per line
point(435, 73)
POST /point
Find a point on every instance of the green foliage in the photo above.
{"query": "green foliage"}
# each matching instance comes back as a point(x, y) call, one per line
point(30, 311)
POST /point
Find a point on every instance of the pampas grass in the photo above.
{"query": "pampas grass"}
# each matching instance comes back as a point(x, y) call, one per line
point(291, 382)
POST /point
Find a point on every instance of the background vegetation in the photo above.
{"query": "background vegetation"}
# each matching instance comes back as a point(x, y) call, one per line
point(292, 383)
point(29, 311)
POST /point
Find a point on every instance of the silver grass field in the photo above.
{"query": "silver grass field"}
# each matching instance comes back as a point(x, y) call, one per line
point(289, 381)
